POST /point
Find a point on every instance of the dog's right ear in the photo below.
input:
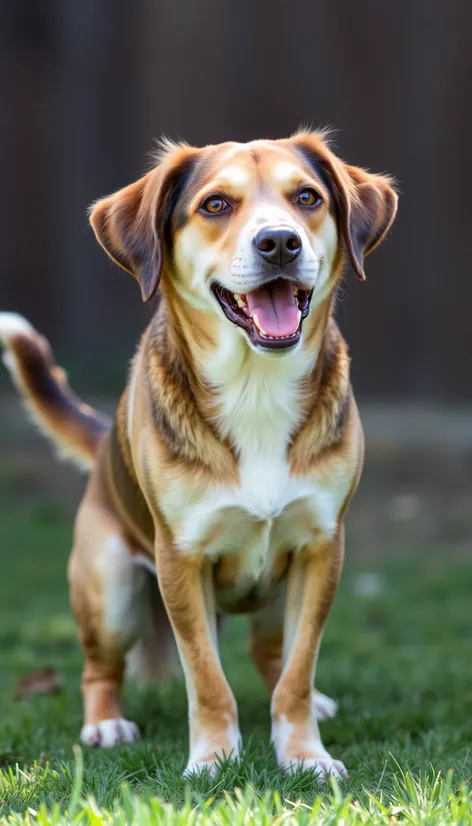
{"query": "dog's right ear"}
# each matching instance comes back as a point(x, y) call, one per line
point(124, 227)
point(130, 224)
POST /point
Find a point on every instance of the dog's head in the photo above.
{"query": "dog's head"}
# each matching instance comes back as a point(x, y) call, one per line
point(256, 233)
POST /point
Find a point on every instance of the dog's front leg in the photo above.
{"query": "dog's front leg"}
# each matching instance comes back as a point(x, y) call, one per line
point(187, 590)
point(266, 647)
point(312, 581)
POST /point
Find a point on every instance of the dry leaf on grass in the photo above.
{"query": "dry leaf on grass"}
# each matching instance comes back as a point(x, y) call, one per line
point(40, 681)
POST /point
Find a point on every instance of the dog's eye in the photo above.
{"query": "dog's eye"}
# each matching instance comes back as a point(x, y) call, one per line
point(308, 197)
point(213, 205)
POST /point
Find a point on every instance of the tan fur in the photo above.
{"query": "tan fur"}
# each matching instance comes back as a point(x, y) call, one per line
point(234, 517)
point(311, 586)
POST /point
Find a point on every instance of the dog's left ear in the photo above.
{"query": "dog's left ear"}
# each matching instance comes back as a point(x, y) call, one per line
point(131, 224)
point(366, 204)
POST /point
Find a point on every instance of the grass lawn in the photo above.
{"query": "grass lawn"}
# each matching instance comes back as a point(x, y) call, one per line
point(396, 655)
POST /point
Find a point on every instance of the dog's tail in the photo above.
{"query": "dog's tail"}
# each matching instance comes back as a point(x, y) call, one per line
point(74, 427)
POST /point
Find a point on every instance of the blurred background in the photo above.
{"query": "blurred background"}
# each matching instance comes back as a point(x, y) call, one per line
point(87, 86)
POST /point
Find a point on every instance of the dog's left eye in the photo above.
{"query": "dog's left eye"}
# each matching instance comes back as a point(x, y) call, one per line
point(213, 205)
point(308, 197)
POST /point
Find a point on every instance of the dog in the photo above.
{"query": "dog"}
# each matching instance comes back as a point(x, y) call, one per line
point(237, 444)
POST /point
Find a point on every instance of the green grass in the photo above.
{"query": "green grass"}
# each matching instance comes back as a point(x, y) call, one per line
point(399, 663)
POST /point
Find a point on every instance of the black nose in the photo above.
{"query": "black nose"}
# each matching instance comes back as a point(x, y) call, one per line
point(278, 246)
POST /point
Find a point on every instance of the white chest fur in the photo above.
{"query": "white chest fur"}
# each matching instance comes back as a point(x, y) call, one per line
point(270, 511)
point(269, 507)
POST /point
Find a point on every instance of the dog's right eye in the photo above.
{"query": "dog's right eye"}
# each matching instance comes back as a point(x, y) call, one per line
point(213, 205)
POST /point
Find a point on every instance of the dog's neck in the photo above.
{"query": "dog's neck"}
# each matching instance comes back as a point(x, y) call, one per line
point(259, 399)
point(254, 403)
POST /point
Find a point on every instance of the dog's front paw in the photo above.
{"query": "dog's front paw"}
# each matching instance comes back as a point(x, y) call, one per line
point(208, 756)
point(323, 765)
point(325, 707)
point(109, 733)
point(210, 761)
point(210, 764)
point(211, 744)
point(198, 767)
point(298, 745)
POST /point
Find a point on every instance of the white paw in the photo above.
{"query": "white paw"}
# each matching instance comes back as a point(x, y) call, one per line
point(323, 765)
point(325, 707)
point(109, 733)
point(198, 763)
point(194, 768)
point(206, 753)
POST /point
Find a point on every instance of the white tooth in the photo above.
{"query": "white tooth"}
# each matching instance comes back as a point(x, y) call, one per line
point(256, 322)
point(239, 300)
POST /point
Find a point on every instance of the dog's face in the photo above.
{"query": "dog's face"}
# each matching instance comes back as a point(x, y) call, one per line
point(252, 232)
point(255, 240)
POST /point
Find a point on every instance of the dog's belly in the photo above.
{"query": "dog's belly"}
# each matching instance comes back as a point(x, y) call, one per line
point(249, 531)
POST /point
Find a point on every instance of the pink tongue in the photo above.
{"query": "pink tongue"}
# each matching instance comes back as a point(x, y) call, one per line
point(275, 308)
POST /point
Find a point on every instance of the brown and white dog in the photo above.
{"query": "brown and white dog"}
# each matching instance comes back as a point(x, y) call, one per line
point(237, 443)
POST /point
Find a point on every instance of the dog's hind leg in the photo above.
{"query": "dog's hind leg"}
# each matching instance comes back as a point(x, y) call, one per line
point(107, 593)
point(266, 639)
point(154, 655)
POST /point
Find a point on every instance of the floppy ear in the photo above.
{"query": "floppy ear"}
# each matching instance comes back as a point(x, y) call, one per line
point(366, 204)
point(131, 225)
point(124, 226)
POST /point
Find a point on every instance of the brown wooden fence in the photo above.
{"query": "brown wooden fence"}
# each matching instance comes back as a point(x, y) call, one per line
point(85, 86)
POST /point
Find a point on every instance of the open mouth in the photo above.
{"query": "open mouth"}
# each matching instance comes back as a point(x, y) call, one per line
point(271, 315)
